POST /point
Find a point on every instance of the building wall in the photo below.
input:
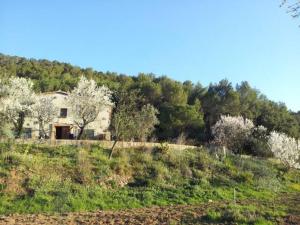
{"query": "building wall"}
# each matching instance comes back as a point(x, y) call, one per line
point(99, 126)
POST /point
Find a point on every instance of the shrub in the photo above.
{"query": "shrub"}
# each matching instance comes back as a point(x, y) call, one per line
point(245, 177)
point(232, 132)
point(164, 148)
point(257, 143)
point(285, 148)
point(213, 216)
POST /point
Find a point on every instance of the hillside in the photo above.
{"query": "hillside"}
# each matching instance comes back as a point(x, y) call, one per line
point(43, 179)
point(186, 110)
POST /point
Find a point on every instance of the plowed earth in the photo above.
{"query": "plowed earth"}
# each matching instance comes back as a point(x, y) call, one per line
point(180, 214)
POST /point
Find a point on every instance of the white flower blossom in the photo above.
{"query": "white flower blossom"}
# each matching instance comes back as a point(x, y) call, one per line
point(18, 101)
point(231, 131)
point(87, 100)
point(285, 148)
point(44, 111)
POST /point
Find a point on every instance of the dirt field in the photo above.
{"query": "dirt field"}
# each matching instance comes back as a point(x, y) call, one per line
point(155, 215)
point(149, 216)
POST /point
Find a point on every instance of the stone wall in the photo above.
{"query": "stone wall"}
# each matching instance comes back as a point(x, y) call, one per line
point(104, 144)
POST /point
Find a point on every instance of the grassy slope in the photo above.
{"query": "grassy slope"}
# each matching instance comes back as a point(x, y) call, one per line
point(37, 179)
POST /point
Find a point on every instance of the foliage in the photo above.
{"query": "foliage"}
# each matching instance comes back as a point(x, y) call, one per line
point(200, 107)
point(123, 120)
point(275, 116)
point(41, 178)
point(18, 102)
point(145, 121)
point(257, 143)
point(232, 214)
point(130, 120)
point(232, 132)
point(44, 111)
point(86, 101)
point(285, 148)
point(220, 99)
point(179, 119)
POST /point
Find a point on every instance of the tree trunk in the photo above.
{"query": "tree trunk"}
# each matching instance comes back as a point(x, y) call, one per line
point(19, 125)
point(112, 149)
point(42, 132)
point(80, 132)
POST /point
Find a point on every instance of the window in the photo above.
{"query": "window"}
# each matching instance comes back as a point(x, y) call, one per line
point(27, 133)
point(88, 134)
point(63, 113)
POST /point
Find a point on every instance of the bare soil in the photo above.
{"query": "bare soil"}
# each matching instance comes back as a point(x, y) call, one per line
point(179, 214)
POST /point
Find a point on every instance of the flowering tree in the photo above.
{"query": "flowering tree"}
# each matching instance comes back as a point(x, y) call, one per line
point(231, 132)
point(86, 101)
point(44, 111)
point(285, 148)
point(17, 102)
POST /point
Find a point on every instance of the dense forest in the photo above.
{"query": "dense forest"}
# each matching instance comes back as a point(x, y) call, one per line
point(186, 110)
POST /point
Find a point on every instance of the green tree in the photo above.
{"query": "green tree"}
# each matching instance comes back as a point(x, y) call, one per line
point(178, 119)
point(275, 116)
point(197, 93)
point(130, 120)
point(172, 91)
point(220, 99)
point(249, 100)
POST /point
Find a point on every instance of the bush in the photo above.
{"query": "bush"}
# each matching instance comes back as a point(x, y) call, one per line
point(232, 132)
point(285, 148)
point(257, 143)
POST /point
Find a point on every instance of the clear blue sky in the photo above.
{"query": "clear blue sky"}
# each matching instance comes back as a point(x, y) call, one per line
point(198, 40)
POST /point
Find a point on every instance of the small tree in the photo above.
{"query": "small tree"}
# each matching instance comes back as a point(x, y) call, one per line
point(44, 111)
point(129, 121)
point(86, 101)
point(146, 119)
point(123, 120)
point(231, 132)
point(285, 148)
point(17, 102)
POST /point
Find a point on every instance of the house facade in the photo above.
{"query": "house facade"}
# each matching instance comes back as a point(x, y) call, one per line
point(63, 126)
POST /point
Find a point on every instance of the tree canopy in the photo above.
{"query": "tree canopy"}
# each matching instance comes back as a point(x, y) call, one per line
point(184, 107)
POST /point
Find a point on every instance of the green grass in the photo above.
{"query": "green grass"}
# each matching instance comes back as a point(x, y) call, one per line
point(67, 178)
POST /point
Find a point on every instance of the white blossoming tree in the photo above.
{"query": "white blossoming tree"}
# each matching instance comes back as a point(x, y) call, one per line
point(17, 102)
point(231, 132)
point(86, 101)
point(44, 111)
point(285, 148)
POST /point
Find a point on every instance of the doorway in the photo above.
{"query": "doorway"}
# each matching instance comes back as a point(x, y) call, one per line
point(62, 132)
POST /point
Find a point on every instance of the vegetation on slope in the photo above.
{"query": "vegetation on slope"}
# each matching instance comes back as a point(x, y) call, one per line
point(40, 178)
point(186, 109)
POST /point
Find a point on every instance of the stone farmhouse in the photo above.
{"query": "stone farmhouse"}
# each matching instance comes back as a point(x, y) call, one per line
point(63, 127)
